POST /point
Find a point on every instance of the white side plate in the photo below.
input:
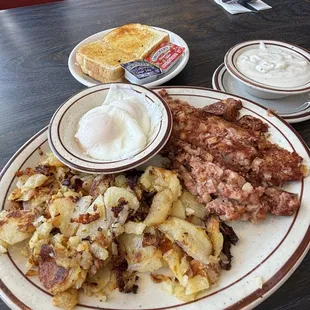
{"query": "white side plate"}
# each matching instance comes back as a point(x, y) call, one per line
point(88, 81)
point(294, 109)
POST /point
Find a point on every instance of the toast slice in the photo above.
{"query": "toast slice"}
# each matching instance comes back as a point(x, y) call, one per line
point(102, 63)
point(135, 39)
point(101, 60)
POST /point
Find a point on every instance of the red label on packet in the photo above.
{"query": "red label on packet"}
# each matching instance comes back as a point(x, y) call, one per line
point(165, 56)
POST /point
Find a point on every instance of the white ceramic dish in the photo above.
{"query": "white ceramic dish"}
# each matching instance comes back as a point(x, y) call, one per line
point(258, 89)
point(294, 109)
point(65, 146)
point(88, 81)
point(266, 255)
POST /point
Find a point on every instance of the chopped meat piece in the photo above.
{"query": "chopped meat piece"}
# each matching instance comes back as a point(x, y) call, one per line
point(281, 202)
point(242, 148)
point(230, 210)
point(252, 123)
point(49, 273)
point(210, 178)
point(235, 197)
point(236, 156)
point(228, 109)
point(275, 165)
point(231, 160)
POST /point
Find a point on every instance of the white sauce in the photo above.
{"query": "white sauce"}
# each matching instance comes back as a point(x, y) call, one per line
point(274, 66)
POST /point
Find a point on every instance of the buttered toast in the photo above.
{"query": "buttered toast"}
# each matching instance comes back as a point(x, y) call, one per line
point(102, 59)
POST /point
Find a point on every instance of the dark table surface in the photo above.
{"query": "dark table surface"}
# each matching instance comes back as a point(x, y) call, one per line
point(35, 43)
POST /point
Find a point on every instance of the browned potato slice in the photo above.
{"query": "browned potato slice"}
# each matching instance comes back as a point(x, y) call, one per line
point(160, 208)
point(192, 239)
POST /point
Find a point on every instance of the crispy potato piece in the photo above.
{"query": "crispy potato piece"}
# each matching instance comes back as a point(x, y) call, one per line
point(98, 251)
point(17, 225)
point(34, 181)
point(140, 258)
point(100, 184)
point(61, 210)
point(41, 233)
point(3, 247)
point(134, 228)
point(192, 239)
point(178, 210)
point(196, 285)
point(66, 300)
point(160, 208)
point(99, 223)
point(52, 161)
point(120, 181)
point(119, 203)
point(217, 239)
point(114, 194)
point(95, 284)
point(190, 202)
point(177, 264)
point(158, 179)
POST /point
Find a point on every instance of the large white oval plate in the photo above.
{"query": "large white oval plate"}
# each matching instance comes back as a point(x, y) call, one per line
point(88, 81)
point(265, 257)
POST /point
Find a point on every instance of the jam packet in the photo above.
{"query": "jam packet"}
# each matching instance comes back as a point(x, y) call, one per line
point(165, 56)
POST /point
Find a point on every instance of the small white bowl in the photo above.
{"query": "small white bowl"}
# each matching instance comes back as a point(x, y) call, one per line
point(258, 89)
point(64, 124)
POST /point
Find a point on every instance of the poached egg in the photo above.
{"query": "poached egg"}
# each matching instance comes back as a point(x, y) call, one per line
point(120, 128)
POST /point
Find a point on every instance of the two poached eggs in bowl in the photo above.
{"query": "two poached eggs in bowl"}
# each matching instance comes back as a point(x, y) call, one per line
point(110, 128)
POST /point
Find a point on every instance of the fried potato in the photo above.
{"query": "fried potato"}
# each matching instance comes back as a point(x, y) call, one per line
point(61, 210)
point(98, 251)
point(100, 184)
point(160, 208)
point(114, 195)
point(95, 284)
point(140, 258)
point(192, 239)
point(3, 247)
point(52, 161)
point(196, 285)
point(217, 239)
point(158, 179)
point(99, 222)
point(119, 203)
point(16, 226)
point(177, 264)
point(178, 210)
point(190, 202)
point(42, 232)
point(134, 228)
point(34, 181)
point(120, 181)
point(66, 300)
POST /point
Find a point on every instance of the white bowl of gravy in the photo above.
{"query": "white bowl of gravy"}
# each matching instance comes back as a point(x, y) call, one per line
point(270, 69)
